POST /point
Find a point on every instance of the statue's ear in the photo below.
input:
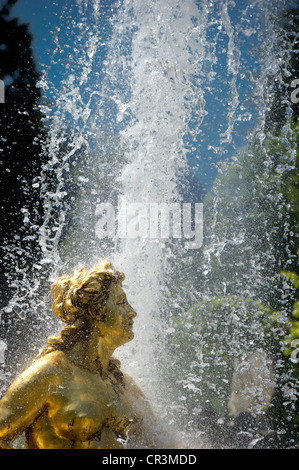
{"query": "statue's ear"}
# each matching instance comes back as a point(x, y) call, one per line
point(96, 312)
point(74, 297)
point(79, 298)
point(84, 296)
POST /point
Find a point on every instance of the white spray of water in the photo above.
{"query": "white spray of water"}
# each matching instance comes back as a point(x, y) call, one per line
point(167, 52)
point(152, 85)
point(145, 96)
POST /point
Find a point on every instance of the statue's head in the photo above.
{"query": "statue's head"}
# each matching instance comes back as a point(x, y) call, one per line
point(92, 299)
point(84, 295)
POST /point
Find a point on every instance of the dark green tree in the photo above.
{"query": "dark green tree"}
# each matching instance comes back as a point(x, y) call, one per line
point(21, 137)
point(21, 158)
point(251, 235)
point(280, 83)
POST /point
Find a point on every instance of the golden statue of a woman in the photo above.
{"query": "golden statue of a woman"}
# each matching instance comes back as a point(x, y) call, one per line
point(74, 395)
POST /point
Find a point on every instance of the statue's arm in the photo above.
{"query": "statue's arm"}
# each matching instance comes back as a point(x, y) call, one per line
point(24, 400)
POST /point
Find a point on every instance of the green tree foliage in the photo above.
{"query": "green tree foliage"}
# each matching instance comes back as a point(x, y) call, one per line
point(251, 235)
point(252, 212)
point(279, 87)
point(292, 186)
point(215, 333)
point(250, 229)
point(292, 340)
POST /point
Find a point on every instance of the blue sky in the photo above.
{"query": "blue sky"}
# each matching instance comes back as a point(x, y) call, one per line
point(44, 15)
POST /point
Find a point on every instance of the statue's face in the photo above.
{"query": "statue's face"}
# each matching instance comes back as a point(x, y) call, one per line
point(118, 324)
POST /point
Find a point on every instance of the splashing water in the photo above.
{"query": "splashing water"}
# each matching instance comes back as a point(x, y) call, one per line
point(142, 92)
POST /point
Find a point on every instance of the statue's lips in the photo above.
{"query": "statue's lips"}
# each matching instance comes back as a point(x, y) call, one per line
point(131, 320)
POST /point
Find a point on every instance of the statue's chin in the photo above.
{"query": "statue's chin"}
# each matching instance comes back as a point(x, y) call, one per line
point(127, 338)
point(130, 336)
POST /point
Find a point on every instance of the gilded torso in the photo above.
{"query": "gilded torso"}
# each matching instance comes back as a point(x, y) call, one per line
point(84, 410)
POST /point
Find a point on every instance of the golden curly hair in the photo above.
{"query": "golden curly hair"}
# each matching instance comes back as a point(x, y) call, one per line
point(84, 293)
point(77, 300)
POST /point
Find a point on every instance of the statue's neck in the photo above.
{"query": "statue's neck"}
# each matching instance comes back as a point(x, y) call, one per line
point(94, 353)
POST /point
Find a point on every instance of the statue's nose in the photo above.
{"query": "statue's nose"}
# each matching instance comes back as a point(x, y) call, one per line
point(133, 313)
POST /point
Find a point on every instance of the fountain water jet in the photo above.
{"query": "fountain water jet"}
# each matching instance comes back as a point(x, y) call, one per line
point(135, 109)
